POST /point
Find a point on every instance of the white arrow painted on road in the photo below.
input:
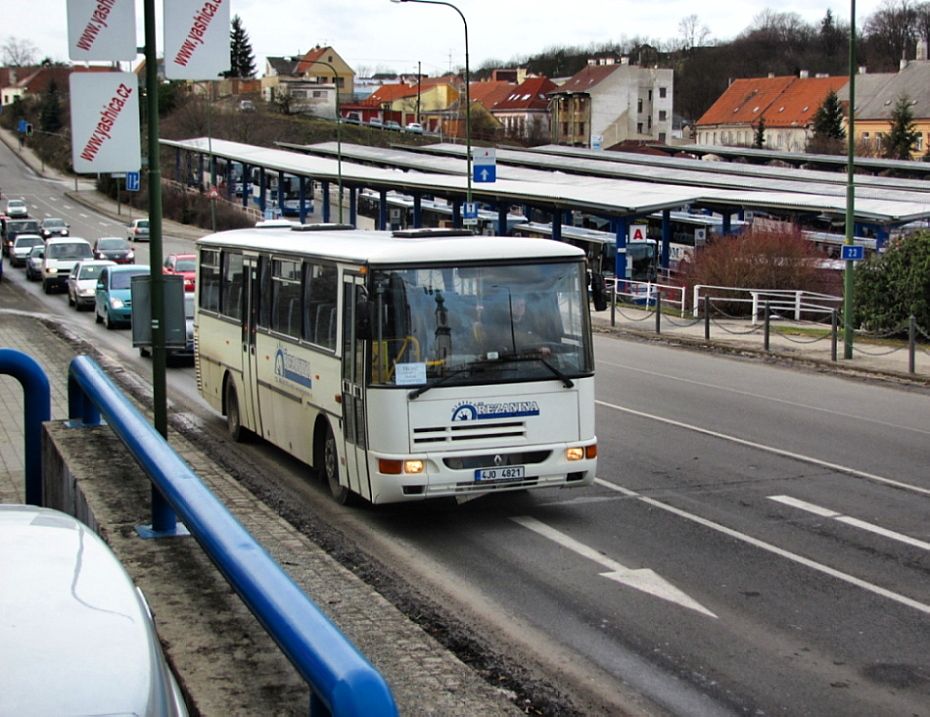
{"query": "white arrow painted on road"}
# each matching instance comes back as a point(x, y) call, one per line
point(643, 579)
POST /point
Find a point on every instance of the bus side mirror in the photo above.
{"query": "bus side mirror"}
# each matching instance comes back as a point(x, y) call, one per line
point(598, 291)
point(363, 319)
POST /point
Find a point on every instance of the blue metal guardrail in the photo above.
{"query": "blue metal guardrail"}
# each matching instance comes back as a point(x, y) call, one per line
point(37, 399)
point(341, 680)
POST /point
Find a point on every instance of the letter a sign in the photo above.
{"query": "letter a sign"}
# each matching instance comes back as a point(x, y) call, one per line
point(638, 232)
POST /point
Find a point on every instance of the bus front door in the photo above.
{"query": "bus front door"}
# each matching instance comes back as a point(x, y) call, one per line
point(354, 423)
point(250, 299)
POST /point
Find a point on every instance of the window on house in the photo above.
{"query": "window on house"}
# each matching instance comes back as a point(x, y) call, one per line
point(662, 136)
point(650, 95)
point(662, 91)
point(639, 105)
point(639, 128)
point(662, 115)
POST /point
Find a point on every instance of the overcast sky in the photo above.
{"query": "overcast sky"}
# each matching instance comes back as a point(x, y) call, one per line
point(377, 35)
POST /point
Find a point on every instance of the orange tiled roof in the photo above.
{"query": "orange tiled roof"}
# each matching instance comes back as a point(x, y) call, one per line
point(309, 58)
point(529, 95)
point(390, 93)
point(797, 105)
point(745, 100)
point(489, 92)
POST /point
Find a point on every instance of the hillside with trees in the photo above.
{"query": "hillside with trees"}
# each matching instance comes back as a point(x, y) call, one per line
point(781, 43)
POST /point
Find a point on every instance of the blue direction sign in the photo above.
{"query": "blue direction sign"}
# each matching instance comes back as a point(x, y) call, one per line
point(484, 164)
point(852, 252)
point(132, 181)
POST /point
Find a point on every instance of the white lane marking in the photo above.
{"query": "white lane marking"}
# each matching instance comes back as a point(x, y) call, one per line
point(794, 557)
point(771, 449)
point(641, 579)
point(848, 520)
point(770, 399)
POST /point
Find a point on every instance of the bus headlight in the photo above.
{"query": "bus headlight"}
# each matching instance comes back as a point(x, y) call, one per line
point(392, 466)
point(578, 453)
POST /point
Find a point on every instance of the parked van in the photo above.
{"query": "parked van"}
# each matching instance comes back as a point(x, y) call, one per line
point(61, 254)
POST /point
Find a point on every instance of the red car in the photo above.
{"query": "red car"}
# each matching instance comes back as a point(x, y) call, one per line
point(185, 265)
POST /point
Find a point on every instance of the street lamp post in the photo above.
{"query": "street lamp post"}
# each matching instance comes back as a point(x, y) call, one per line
point(467, 91)
point(338, 133)
point(848, 275)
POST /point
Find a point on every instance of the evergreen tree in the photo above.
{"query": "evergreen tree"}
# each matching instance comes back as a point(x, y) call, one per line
point(903, 135)
point(50, 109)
point(828, 121)
point(241, 57)
point(828, 127)
point(758, 140)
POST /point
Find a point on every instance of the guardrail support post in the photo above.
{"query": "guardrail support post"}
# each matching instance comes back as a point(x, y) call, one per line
point(707, 318)
point(658, 311)
point(797, 305)
point(834, 330)
point(613, 305)
point(37, 398)
point(767, 322)
point(911, 343)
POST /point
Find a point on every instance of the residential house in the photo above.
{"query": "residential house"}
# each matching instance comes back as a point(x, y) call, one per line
point(22, 82)
point(317, 82)
point(524, 112)
point(877, 95)
point(609, 102)
point(783, 106)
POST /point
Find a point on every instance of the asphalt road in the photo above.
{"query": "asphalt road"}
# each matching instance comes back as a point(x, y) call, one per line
point(756, 543)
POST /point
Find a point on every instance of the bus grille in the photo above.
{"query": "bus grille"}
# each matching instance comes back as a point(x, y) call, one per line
point(468, 431)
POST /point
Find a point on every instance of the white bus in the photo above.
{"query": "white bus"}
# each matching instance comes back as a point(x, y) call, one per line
point(402, 366)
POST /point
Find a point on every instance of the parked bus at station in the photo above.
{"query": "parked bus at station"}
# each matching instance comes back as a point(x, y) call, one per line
point(404, 366)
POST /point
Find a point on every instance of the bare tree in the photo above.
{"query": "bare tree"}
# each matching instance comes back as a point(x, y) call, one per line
point(692, 32)
point(18, 53)
point(890, 31)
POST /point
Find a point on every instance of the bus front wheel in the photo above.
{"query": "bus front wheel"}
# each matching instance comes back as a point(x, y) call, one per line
point(233, 417)
point(339, 492)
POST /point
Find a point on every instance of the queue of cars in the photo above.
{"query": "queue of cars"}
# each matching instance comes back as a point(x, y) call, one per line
point(98, 276)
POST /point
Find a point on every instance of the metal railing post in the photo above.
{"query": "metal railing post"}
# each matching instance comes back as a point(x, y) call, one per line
point(37, 409)
point(658, 311)
point(613, 305)
point(707, 318)
point(911, 343)
point(834, 330)
point(767, 325)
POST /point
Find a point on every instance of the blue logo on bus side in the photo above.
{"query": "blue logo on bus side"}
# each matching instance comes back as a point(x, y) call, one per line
point(481, 411)
point(291, 368)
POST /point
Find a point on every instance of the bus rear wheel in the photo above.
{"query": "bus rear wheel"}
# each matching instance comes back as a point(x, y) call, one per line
point(233, 417)
point(330, 467)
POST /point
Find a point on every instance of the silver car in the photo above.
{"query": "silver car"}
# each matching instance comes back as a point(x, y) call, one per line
point(17, 209)
point(34, 263)
point(77, 637)
point(82, 282)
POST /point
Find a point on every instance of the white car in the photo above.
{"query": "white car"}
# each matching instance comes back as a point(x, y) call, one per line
point(17, 209)
point(61, 254)
point(82, 282)
point(22, 245)
point(77, 637)
point(414, 128)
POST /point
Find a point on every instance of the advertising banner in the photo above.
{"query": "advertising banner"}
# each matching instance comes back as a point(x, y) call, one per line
point(105, 123)
point(196, 39)
point(102, 30)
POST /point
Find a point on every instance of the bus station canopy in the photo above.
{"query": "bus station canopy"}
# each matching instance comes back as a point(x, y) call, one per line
point(599, 187)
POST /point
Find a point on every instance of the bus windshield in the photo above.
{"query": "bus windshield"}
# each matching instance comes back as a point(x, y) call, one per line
point(479, 324)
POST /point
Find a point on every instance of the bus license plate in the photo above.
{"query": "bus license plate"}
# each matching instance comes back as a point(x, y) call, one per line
point(502, 473)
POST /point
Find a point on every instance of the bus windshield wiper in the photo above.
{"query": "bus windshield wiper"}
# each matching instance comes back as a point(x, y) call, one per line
point(417, 392)
point(566, 381)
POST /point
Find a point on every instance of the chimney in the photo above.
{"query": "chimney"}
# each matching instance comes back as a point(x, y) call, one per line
point(922, 50)
point(804, 74)
point(625, 60)
point(863, 70)
point(771, 75)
